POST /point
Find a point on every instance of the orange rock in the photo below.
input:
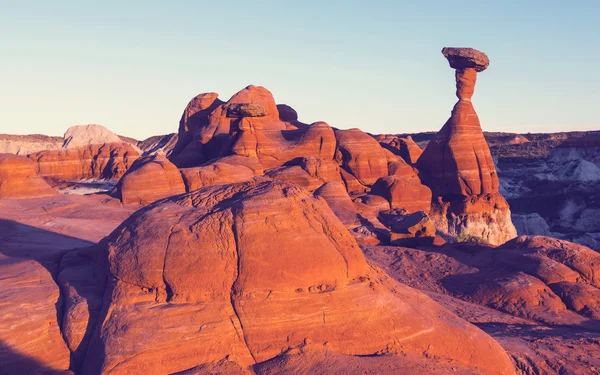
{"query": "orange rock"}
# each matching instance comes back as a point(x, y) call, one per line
point(334, 193)
point(106, 161)
point(407, 149)
point(412, 229)
point(361, 155)
point(457, 164)
point(150, 178)
point(249, 124)
point(217, 173)
point(310, 173)
point(247, 270)
point(18, 178)
point(30, 335)
point(403, 193)
point(274, 147)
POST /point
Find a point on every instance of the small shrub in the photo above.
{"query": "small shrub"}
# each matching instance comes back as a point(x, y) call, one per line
point(466, 237)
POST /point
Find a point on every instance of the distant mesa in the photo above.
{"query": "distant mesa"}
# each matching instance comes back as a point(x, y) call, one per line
point(84, 135)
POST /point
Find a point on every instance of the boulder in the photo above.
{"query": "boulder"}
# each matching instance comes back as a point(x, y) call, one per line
point(465, 58)
point(408, 194)
point(411, 229)
point(246, 271)
point(149, 179)
point(361, 155)
point(18, 178)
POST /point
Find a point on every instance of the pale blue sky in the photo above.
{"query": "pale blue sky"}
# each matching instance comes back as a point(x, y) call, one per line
point(133, 65)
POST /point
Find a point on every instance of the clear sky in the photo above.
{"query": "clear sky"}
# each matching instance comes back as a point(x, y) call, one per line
point(134, 65)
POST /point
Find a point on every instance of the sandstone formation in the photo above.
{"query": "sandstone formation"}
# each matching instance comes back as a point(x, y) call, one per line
point(260, 267)
point(334, 193)
point(34, 235)
point(18, 178)
point(30, 337)
point(408, 194)
point(249, 124)
point(406, 148)
point(218, 173)
point(95, 161)
point(310, 173)
point(150, 178)
point(458, 167)
point(361, 155)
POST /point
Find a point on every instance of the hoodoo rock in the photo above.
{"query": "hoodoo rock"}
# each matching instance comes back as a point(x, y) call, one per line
point(18, 178)
point(246, 271)
point(150, 178)
point(457, 164)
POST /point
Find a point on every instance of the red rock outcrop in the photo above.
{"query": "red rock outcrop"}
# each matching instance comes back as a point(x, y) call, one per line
point(149, 179)
point(249, 124)
point(18, 178)
point(29, 333)
point(274, 147)
point(537, 296)
point(217, 173)
point(96, 161)
point(457, 164)
point(408, 194)
point(247, 270)
point(310, 173)
point(407, 149)
point(361, 155)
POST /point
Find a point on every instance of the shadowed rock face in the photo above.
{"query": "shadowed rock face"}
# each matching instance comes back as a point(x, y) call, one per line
point(259, 267)
point(457, 164)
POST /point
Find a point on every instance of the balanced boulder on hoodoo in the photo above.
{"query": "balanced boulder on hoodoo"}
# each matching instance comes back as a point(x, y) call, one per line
point(149, 179)
point(457, 164)
point(18, 178)
point(245, 271)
